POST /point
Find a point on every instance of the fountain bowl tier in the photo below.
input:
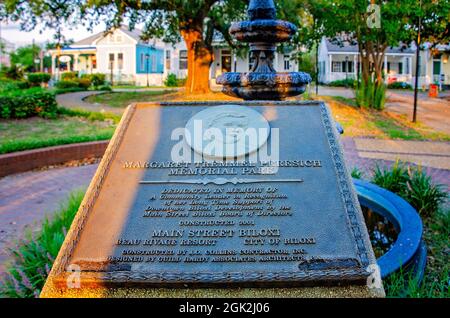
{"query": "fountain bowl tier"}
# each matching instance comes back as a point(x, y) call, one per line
point(268, 31)
point(264, 86)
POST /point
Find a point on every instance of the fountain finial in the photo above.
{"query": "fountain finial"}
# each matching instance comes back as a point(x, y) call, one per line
point(263, 32)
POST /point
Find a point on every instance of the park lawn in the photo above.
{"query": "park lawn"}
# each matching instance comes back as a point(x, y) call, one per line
point(123, 99)
point(136, 87)
point(31, 133)
point(360, 122)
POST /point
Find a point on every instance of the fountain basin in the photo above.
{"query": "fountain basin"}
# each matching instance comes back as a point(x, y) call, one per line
point(408, 252)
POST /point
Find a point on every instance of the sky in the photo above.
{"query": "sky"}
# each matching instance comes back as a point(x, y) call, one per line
point(13, 34)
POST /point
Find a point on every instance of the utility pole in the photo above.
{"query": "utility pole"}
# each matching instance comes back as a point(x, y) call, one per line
point(147, 58)
point(416, 84)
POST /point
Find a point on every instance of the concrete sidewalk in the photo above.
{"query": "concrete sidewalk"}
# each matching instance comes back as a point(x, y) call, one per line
point(77, 101)
point(424, 153)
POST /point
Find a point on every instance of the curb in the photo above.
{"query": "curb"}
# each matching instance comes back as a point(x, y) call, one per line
point(22, 161)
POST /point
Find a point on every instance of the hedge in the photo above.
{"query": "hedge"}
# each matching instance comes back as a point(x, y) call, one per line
point(349, 82)
point(399, 85)
point(97, 79)
point(28, 103)
point(36, 79)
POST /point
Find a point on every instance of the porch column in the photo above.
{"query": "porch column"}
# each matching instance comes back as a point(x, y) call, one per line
point(53, 64)
point(355, 66)
point(410, 66)
point(331, 67)
point(75, 61)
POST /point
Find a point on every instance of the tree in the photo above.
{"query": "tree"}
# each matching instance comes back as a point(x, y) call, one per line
point(25, 56)
point(314, 17)
point(196, 21)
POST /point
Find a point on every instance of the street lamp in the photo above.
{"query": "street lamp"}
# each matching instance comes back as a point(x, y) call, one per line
point(147, 59)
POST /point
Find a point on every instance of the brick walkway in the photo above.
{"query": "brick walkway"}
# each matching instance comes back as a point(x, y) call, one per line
point(26, 198)
point(357, 158)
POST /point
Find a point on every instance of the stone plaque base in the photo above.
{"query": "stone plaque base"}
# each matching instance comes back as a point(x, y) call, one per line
point(282, 220)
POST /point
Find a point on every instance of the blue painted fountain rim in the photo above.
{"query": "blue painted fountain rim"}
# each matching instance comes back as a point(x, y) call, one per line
point(402, 215)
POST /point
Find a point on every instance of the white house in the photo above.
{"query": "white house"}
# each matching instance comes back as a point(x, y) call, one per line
point(129, 59)
point(434, 65)
point(338, 62)
point(121, 54)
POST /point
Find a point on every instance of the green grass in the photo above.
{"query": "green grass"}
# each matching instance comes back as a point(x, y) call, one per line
point(123, 99)
point(362, 122)
point(136, 87)
point(345, 100)
point(436, 278)
point(32, 133)
point(33, 256)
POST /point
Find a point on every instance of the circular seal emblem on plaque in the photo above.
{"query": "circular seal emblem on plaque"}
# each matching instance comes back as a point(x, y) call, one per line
point(226, 131)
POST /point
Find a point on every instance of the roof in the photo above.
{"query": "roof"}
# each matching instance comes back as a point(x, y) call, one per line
point(353, 48)
point(89, 41)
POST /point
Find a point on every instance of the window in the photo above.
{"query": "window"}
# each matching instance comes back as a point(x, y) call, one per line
point(153, 61)
point(94, 61)
point(388, 67)
point(336, 67)
point(142, 62)
point(400, 68)
point(183, 60)
point(407, 65)
point(347, 67)
point(111, 61)
point(167, 59)
point(350, 66)
point(118, 38)
point(120, 61)
point(287, 63)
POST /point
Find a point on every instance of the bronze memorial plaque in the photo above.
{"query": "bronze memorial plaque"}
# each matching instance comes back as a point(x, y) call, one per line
point(246, 194)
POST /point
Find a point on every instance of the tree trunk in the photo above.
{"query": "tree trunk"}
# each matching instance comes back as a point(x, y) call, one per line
point(200, 57)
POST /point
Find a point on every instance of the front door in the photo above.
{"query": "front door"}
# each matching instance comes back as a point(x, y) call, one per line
point(226, 61)
point(436, 70)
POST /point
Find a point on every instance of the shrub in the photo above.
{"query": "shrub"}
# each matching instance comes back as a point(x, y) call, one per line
point(97, 79)
point(356, 173)
point(59, 91)
point(66, 84)
point(11, 85)
point(422, 194)
point(399, 85)
point(414, 185)
point(69, 76)
point(28, 103)
point(104, 88)
point(369, 94)
point(171, 80)
point(392, 179)
point(34, 255)
point(84, 83)
point(349, 82)
point(14, 72)
point(36, 79)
